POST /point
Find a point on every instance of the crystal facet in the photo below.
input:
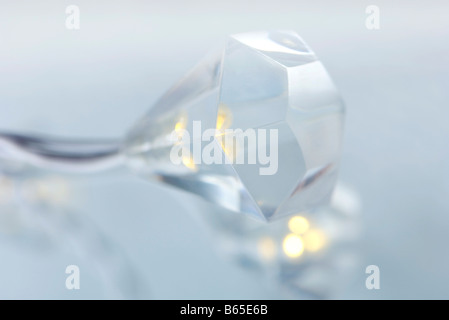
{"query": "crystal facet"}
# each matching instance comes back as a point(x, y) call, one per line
point(264, 80)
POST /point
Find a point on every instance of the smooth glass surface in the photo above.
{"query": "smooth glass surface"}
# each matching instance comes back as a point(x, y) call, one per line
point(262, 80)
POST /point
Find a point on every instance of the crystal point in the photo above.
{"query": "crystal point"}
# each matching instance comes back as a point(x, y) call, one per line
point(262, 80)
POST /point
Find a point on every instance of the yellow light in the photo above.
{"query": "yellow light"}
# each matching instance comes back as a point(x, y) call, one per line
point(188, 162)
point(224, 120)
point(179, 125)
point(229, 146)
point(293, 245)
point(314, 240)
point(224, 117)
point(52, 190)
point(220, 121)
point(298, 224)
point(267, 248)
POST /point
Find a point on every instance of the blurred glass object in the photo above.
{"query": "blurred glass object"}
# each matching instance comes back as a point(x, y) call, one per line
point(262, 80)
point(36, 216)
point(258, 81)
point(311, 255)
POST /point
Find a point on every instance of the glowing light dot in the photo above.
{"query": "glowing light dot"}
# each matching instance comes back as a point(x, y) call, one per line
point(298, 225)
point(314, 240)
point(293, 246)
point(51, 190)
point(229, 149)
point(178, 126)
point(188, 162)
point(224, 117)
point(267, 248)
point(220, 121)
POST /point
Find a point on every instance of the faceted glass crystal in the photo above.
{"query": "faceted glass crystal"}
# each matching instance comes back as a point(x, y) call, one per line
point(264, 80)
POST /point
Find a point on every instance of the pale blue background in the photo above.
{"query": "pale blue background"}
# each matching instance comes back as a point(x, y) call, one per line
point(98, 80)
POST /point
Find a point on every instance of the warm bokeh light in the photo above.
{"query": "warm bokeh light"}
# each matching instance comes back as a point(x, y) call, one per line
point(180, 125)
point(229, 146)
point(267, 248)
point(224, 117)
point(189, 163)
point(220, 121)
point(298, 225)
point(314, 240)
point(293, 245)
point(228, 143)
point(51, 190)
